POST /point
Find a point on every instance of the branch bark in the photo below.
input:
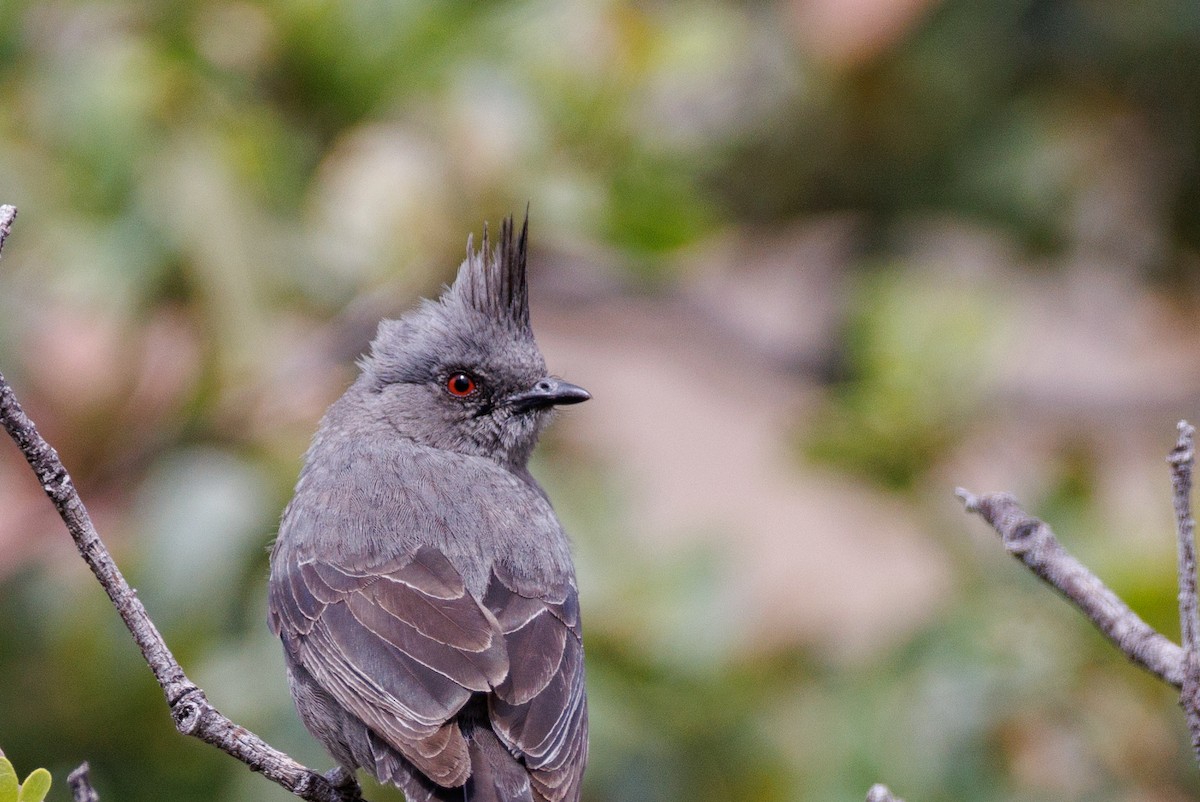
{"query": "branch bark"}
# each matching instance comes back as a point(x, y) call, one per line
point(190, 709)
point(1031, 541)
point(881, 793)
point(80, 783)
point(1182, 461)
point(7, 215)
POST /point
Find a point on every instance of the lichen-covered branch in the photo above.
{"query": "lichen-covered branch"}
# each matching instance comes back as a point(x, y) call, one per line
point(191, 711)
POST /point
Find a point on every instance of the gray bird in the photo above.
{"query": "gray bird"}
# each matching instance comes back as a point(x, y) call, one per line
point(421, 584)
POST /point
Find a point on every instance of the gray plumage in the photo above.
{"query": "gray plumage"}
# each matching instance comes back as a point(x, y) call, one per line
point(421, 584)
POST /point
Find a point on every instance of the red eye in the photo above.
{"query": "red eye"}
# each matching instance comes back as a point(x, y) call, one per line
point(460, 385)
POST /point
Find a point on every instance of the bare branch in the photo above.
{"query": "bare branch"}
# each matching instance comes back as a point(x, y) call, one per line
point(1031, 541)
point(7, 215)
point(191, 711)
point(881, 793)
point(1182, 460)
point(80, 783)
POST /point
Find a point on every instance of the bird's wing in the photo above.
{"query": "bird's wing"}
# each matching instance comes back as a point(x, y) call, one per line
point(401, 645)
point(539, 711)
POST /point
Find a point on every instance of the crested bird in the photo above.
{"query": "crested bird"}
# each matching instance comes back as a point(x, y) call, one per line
point(421, 584)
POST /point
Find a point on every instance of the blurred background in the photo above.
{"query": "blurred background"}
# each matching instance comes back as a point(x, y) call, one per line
point(819, 262)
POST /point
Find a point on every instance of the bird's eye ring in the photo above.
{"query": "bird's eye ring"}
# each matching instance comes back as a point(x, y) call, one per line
point(461, 385)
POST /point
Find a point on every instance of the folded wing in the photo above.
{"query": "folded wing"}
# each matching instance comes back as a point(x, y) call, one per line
point(539, 710)
point(401, 645)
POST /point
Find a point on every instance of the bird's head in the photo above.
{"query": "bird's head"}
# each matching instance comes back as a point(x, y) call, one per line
point(463, 373)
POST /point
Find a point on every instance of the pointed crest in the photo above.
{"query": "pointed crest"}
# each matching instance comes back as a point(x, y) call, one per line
point(492, 280)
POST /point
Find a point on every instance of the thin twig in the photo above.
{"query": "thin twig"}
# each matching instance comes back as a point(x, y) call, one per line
point(7, 215)
point(1182, 460)
point(192, 712)
point(80, 783)
point(1031, 541)
point(881, 793)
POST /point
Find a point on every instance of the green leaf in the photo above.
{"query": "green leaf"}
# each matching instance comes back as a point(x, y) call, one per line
point(8, 781)
point(35, 787)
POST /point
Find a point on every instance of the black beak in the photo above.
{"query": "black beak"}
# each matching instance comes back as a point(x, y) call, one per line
point(548, 392)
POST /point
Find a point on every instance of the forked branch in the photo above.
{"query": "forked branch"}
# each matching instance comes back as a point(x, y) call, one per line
point(1032, 542)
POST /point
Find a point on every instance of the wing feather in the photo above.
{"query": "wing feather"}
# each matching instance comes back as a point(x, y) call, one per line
point(539, 711)
point(401, 645)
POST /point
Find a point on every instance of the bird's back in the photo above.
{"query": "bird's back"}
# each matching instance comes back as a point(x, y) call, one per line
point(428, 609)
point(366, 493)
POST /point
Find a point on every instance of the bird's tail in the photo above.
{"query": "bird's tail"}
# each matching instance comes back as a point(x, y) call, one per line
point(496, 776)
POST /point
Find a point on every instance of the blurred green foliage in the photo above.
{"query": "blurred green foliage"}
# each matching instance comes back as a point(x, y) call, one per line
point(219, 198)
point(914, 347)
